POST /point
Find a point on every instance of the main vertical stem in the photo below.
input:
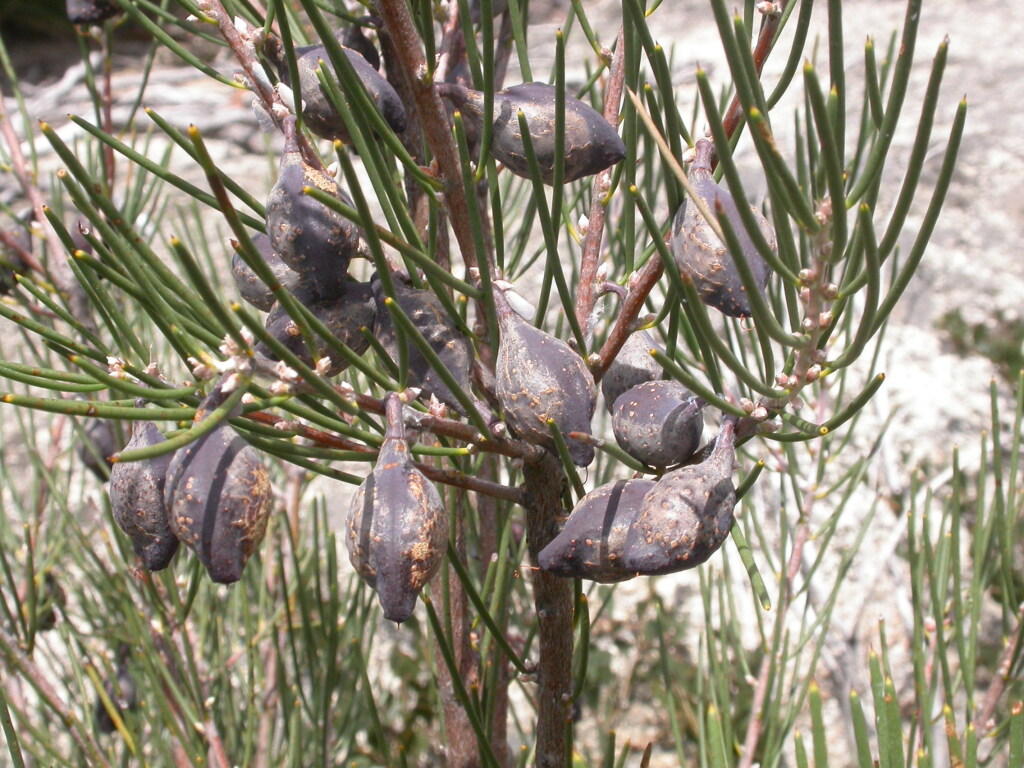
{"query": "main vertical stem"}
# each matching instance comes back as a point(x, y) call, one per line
point(552, 597)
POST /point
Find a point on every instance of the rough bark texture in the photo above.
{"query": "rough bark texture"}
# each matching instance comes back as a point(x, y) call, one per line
point(552, 596)
point(460, 740)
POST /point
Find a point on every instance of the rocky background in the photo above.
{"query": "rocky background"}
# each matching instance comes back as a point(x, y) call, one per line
point(959, 327)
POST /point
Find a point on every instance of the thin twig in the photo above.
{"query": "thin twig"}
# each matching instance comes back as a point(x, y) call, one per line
point(28, 669)
point(462, 750)
point(25, 179)
point(433, 120)
point(216, 744)
point(763, 47)
point(586, 296)
point(245, 52)
point(653, 270)
point(761, 690)
point(438, 474)
point(108, 103)
point(997, 687)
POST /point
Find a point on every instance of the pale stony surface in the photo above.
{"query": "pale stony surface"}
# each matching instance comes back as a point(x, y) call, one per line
point(939, 398)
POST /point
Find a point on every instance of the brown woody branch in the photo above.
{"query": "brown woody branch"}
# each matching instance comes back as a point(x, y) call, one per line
point(433, 119)
point(585, 293)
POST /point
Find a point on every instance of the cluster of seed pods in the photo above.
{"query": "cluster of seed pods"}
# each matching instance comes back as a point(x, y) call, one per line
point(212, 494)
point(642, 527)
point(397, 526)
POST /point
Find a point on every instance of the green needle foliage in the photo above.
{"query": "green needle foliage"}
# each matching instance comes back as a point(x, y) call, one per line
point(119, 306)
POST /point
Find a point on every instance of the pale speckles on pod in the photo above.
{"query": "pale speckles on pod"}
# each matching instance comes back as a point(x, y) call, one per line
point(658, 423)
point(591, 143)
point(633, 365)
point(309, 237)
point(687, 516)
point(592, 543)
point(397, 529)
point(702, 256)
point(250, 287)
point(318, 112)
point(218, 498)
point(343, 316)
point(137, 500)
point(538, 379)
point(427, 313)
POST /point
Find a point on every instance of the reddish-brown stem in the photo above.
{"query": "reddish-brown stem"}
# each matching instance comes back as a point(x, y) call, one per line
point(437, 474)
point(457, 430)
point(489, 526)
point(654, 269)
point(64, 280)
point(245, 53)
point(433, 120)
point(763, 47)
point(460, 740)
point(761, 690)
point(216, 745)
point(11, 244)
point(628, 313)
point(108, 104)
point(27, 668)
point(586, 294)
point(984, 722)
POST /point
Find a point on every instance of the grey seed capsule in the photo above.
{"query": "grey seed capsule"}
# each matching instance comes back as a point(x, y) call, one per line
point(685, 518)
point(11, 262)
point(701, 255)
point(309, 237)
point(591, 143)
point(137, 500)
point(90, 11)
point(633, 365)
point(355, 38)
point(100, 442)
point(318, 113)
point(427, 313)
point(592, 543)
point(250, 287)
point(397, 530)
point(539, 378)
point(344, 317)
point(218, 498)
point(122, 692)
point(658, 423)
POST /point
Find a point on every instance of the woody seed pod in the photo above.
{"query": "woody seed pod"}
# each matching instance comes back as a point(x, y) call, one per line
point(250, 287)
point(355, 38)
point(397, 524)
point(658, 423)
point(90, 11)
point(11, 262)
point(540, 379)
point(122, 692)
point(218, 498)
point(309, 237)
point(137, 500)
point(318, 113)
point(591, 143)
point(702, 256)
point(633, 365)
point(592, 543)
point(99, 443)
point(685, 518)
point(344, 317)
point(428, 315)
